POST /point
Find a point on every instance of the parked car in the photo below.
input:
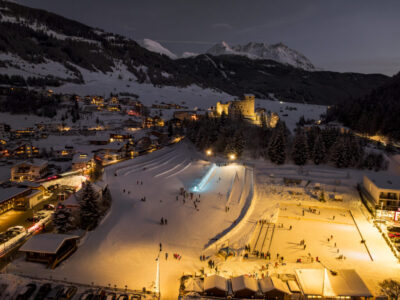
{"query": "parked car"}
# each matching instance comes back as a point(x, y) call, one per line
point(68, 293)
point(43, 291)
point(393, 229)
point(3, 238)
point(111, 296)
point(55, 293)
point(88, 295)
point(393, 235)
point(27, 292)
point(49, 207)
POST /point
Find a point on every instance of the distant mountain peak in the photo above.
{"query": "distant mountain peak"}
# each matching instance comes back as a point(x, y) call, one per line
point(156, 47)
point(257, 50)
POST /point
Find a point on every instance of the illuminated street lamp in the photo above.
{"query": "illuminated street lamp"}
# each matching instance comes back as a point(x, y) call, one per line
point(232, 156)
point(209, 152)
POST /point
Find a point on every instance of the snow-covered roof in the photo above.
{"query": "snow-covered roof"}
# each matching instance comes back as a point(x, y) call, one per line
point(268, 284)
point(81, 158)
point(244, 283)
point(345, 283)
point(34, 162)
point(293, 286)
point(46, 243)
point(382, 181)
point(323, 283)
point(215, 281)
point(10, 192)
point(311, 281)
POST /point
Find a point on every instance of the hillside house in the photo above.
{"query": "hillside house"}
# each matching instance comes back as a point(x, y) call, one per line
point(382, 194)
point(29, 170)
point(82, 162)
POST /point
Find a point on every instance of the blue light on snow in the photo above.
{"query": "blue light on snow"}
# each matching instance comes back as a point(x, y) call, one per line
point(204, 180)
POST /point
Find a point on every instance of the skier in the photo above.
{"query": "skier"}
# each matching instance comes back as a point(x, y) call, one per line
point(305, 246)
point(165, 222)
point(162, 221)
point(290, 227)
point(160, 247)
point(124, 190)
point(166, 255)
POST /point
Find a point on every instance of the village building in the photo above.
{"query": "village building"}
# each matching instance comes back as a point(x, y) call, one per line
point(20, 197)
point(82, 162)
point(29, 170)
point(244, 287)
point(62, 153)
point(120, 137)
point(23, 150)
point(215, 285)
point(274, 288)
point(321, 283)
point(185, 115)
point(246, 108)
point(99, 140)
point(50, 248)
point(382, 195)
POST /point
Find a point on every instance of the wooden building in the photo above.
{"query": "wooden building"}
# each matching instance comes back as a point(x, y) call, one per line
point(244, 287)
point(215, 285)
point(50, 248)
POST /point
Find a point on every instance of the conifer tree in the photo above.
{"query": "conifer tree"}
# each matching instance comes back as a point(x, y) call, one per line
point(63, 220)
point(89, 208)
point(299, 150)
point(319, 151)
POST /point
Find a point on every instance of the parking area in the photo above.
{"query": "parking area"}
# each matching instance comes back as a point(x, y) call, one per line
point(16, 287)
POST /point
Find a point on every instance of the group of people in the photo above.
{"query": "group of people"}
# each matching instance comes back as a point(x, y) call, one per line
point(164, 221)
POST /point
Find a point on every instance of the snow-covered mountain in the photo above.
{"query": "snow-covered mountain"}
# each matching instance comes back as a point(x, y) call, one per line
point(277, 52)
point(40, 49)
point(156, 47)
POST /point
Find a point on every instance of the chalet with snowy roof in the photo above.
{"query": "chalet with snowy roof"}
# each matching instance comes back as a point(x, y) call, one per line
point(50, 248)
point(322, 283)
point(20, 196)
point(120, 137)
point(99, 140)
point(82, 161)
point(215, 285)
point(244, 287)
point(72, 202)
point(185, 115)
point(382, 194)
point(23, 150)
point(274, 288)
point(31, 170)
point(63, 153)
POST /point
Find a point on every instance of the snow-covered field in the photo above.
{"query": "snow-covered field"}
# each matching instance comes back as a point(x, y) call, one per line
point(124, 248)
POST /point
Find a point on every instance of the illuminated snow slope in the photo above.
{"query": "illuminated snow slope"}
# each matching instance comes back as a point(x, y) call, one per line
point(123, 249)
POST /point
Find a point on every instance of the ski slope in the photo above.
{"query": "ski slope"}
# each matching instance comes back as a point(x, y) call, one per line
point(123, 249)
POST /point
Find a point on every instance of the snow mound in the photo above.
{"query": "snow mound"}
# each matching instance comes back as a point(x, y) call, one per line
point(156, 47)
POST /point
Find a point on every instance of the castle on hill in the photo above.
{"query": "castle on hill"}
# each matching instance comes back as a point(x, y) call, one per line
point(246, 107)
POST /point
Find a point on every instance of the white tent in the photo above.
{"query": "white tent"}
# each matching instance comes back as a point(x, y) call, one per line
point(215, 282)
point(244, 282)
point(268, 284)
point(321, 282)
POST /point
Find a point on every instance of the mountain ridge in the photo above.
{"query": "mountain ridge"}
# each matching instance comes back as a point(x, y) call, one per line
point(277, 52)
point(41, 44)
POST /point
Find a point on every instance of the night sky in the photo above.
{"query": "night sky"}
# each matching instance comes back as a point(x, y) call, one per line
point(340, 35)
